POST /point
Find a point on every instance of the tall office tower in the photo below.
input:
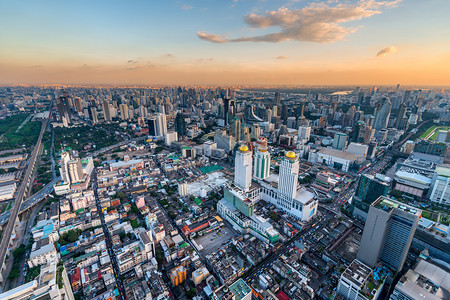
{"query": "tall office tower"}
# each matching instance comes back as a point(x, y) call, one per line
point(236, 128)
point(112, 111)
point(75, 170)
point(388, 233)
point(304, 133)
point(261, 169)
point(367, 134)
point(245, 134)
point(243, 168)
point(62, 103)
point(162, 124)
point(143, 111)
point(284, 113)
point(369, 189)
point(93, 114)
point(256, 131)
point(124, 112)
point(322, 122)
point(78, 104)
point(277, 98)
point(382, 116)
point(288, 179)
point(151, 123)
point(269, 115)
point(339, 140)
point(180, 124)
point(106, 112)
point(131, 112)
point(157, 125)
point(334, 106)
point(401, 115)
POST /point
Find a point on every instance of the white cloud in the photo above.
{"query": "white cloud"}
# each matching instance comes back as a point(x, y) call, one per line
point(386, 51)
point(317, 22)
point(186, 7)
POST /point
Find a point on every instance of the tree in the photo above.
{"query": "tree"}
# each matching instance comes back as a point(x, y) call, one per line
point(274, 216)
point(191, 293)
point(134, 223)
point(19, 251)
point(121, 195)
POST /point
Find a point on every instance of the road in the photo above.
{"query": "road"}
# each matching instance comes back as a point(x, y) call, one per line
point(109, 245)
point(19, 197)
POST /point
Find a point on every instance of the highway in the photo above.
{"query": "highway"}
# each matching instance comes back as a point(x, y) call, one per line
point(20, 194)
point(33, 200)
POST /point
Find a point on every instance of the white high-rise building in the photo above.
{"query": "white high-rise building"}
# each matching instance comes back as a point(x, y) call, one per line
point(243, 168)
point(161, 124)
point(304, 133)
point(75, 170)
point(261, 168)
point(64, 170)
point(288, 181)
point(124, 112)
point(299, 203)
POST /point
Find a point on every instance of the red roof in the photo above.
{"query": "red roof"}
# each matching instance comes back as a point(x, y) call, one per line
point(76, 276)
point(282, 296)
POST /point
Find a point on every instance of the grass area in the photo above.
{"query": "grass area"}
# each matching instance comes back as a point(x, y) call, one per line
point(434, 136)
point(429, 215)
point(26, 136)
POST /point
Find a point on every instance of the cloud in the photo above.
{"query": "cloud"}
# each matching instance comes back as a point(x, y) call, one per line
point(132, 61)
point(214, 38)
point(316, 22)
point(186, 7)
point(386, 51)
point(282, 57)
point(205, 59)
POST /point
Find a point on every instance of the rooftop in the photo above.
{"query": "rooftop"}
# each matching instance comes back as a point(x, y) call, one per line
point(340, 154)
point(386, 204)
point(239, 289)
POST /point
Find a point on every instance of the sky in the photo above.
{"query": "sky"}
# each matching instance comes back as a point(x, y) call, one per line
point(226, 42)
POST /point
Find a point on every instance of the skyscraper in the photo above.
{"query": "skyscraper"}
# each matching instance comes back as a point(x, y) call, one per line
point(106, 111)
point(382, 116)
point(78, 104)
point(288, 179)
point(75, 170)
point(401, 115)
point(236, 128)
point(151, 123)
point(261, 168)
point(161, 125)
point(369, 189)
point(93, 114)
point(304, 133)
point(124, 112)
point(243, 168)
point(62, 103)
point(157, 125)
point(388, 233)
point(339, 140)
point(277, 98)
point(180, 124)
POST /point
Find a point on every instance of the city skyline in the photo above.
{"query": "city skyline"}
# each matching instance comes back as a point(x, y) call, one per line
point(226, 42)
